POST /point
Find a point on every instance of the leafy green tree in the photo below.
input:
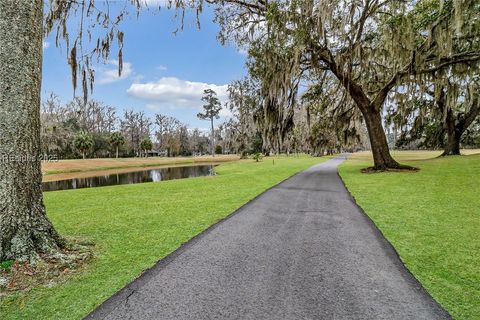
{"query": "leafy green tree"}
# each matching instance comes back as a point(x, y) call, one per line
point(83, 142)
point(146, 145)
point(370, 47)
point(448, 95)
point(211, 110)
point(116, 140)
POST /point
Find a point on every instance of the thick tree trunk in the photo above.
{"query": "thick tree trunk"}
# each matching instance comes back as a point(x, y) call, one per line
point(212, 147)
point(371, 110)
point(454, 134)
point(25, 231)
point(381, 154)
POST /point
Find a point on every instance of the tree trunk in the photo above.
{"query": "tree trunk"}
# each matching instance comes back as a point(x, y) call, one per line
point(83, 155)
point(213, 139)
point(381, 154)
point(116, 152)
point(371, 113)
point(454, 133)
point(25, 231)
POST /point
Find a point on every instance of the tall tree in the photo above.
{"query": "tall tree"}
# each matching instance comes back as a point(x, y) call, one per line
point(245, 105)
point(211, 111)
point(370, 46)
point(448, 93)
point(166, 134)
point(25, 231)
point(135, 126)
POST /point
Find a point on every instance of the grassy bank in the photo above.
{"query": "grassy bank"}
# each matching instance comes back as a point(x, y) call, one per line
point(83, 165)
point(432, 217)
point(133, 226)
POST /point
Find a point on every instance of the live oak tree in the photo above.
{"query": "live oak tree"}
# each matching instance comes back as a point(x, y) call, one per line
point(332, 120)
point(458, 118)
point(370, 46)
point(26, 234)
point(448, 95)
point(276, 68)
point(25, 231)
point(211, 111)
point(437, 118)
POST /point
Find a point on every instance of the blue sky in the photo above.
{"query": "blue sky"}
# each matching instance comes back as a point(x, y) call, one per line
point(163, 73)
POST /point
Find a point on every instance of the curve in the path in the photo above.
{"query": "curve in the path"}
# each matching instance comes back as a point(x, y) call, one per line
point(301, 250)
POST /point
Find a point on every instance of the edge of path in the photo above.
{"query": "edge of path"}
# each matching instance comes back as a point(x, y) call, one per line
point(391, 251)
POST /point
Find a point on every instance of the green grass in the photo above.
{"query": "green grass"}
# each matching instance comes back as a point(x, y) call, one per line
point(133, 226)
point(432, 218)
point(6, 265)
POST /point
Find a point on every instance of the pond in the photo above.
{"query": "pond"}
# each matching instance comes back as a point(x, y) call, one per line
point(151, 175)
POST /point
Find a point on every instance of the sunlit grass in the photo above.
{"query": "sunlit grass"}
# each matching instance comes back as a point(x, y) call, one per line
point(133, 226)
point(432, 217)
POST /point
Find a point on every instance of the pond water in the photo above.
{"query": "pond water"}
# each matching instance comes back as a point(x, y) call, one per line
point(151, 175)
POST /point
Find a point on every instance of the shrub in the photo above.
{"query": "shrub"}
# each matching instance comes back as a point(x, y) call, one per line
point(257, 156)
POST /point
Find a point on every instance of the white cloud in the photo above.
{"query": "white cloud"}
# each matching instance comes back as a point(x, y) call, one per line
point(45, 44)
point(161, 68)
point(173, 93)
point(111, 75)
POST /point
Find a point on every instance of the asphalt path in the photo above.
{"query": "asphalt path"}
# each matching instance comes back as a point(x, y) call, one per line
point(301, 250)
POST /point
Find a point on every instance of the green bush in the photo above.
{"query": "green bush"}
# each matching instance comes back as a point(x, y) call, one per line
point(6, 265)
point(257, 156)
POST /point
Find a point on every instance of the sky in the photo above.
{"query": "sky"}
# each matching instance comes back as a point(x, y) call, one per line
point(162, 72)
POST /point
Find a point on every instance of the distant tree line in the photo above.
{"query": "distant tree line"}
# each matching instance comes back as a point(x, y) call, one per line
point(93, 129)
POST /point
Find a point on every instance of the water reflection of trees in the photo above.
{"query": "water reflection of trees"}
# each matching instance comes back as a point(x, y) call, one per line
point(153, 175)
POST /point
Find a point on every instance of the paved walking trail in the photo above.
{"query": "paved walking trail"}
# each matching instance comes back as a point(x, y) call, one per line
point(302, 250)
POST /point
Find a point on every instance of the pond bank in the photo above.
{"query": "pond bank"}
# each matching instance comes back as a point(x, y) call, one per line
point(80, 165)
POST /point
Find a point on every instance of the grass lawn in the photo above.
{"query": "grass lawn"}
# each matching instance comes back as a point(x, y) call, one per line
point(432, 218)
point(135, 225)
